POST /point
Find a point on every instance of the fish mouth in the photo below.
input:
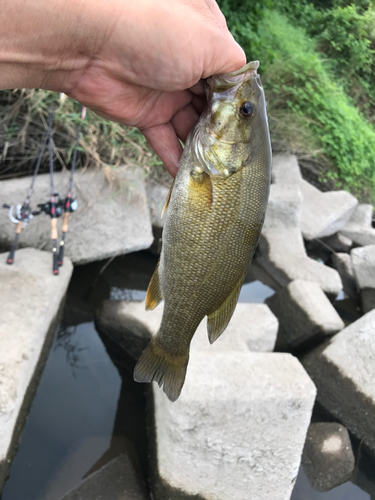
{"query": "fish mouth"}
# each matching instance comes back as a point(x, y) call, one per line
point(226, 81)
point(250, 66)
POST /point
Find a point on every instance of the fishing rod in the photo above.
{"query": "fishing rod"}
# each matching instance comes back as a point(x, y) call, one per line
point(70, 204)
point(24, 214)
point(53, 207)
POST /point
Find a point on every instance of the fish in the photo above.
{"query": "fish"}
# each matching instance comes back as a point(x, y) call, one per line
point(214, 214)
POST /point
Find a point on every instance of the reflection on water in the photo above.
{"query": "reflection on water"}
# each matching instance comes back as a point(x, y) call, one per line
point(72, 418)
point(85, 412)
point(255, 292)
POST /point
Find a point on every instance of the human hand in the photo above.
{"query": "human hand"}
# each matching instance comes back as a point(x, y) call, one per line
point(136, 62)
point(146, 74)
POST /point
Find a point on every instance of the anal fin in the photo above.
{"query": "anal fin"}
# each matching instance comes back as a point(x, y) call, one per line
point(154, 293)
point(219, 319)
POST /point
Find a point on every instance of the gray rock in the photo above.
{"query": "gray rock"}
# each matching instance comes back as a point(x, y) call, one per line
point(344, 372)
point(252, 327)
point(115, 481)
point(126, 331)
point(156, 195)
point(281, 248)
point(285, 169)
point(110, 220)
point(338, 242)
point(237, 431)
point(359, 227)
point(368, 299)
point(322, 214)
point(327, 459)
point(31, 297)
point(363, 261)
point(304, 312)
point(342, 262)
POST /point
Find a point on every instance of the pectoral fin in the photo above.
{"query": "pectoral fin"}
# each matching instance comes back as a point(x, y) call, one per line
point(154, 293)
point(219, 319)
point(200, 188)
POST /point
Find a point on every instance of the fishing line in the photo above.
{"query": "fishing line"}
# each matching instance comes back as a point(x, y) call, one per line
point(70, 205)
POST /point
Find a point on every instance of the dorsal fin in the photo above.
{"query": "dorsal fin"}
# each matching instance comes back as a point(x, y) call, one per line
point(154, 293)
point(219, 319)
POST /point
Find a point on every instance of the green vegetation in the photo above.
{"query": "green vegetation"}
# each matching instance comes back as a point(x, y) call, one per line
point(317, 66)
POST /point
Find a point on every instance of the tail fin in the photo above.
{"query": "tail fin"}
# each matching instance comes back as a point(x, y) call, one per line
point(167, 370)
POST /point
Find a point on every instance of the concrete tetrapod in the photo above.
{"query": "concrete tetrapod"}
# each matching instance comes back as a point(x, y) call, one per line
point(253, 327)
point(359, 227)
point(322, 214)
point(281, 247)
point(236, 432)
point(343, 370)
point(304, 312)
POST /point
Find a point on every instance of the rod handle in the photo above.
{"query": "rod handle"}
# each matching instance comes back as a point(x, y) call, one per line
point(53, 228)
point(61, 252)
point(10, 258)
point(55, 267)
point(65, 222)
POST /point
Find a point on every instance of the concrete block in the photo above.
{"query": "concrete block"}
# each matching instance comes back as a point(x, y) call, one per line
point(343, 264)
point(359, 227)
point(285, 169)
point(252, 327)
point(281, 248)
point(29, 302)
point(237, 431)
point(123, 329)
point(368, 299)
point(323, 214)
point(304, 312)
point(156, 195)
point(110, 220)
point(328, 458)
point(363, 261)
point(338, 242)
point(115, 481)
point(343, 370)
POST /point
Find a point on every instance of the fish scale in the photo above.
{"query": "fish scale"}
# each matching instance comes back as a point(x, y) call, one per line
point(213, 221)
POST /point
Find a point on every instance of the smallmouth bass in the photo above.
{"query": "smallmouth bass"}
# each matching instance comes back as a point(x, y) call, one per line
point(214, 216)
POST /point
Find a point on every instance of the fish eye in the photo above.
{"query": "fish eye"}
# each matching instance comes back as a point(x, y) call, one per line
point(247, 109)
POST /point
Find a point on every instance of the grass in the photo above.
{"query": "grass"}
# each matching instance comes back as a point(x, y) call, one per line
point(102, 144)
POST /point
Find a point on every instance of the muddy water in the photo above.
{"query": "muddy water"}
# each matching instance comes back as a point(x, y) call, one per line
point(85, 413)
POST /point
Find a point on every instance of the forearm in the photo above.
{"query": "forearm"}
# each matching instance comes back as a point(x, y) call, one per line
point(44, 43)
